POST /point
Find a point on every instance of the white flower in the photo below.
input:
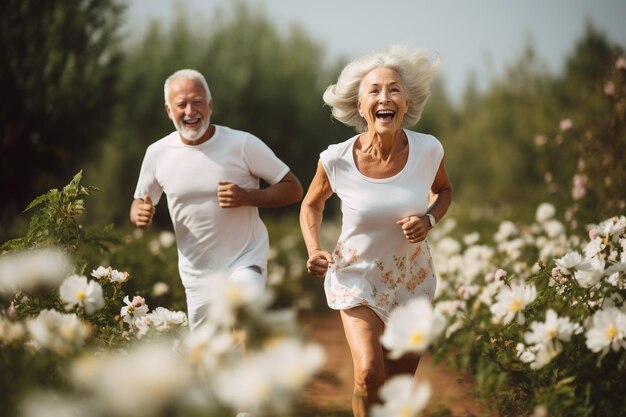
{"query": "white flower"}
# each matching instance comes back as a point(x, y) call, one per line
point(166, 239)
point(594, 247)
point(544, 353)
point(227, 297)
point(554, 328)
point(471, 238)
point(159, 289)
point(524, 353)
point(207, 344)
point(607, 330)
point(553, 228)
point(489, 291)
point(571, 261)
point(506, 230)
point(411, 328)
point(144, 379)
point(76, 291)
point(591, 276)
point(11, 332)
point(118, 277)
point(448, 246)
point(545, 212)
point(268, 379)
point(101, 273)
point(511, 301)
point(402, 397)
point(58, 332)
point(51, 404)
point(26, 270)
point(133, 309)
point(163, 319)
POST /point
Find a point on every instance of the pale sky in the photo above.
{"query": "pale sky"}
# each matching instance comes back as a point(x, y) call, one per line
point(479, 37)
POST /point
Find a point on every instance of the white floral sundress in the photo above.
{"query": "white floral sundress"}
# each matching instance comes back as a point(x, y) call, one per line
point(374, 264)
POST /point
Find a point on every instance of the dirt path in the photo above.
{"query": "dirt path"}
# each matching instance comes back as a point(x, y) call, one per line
point(330, 393)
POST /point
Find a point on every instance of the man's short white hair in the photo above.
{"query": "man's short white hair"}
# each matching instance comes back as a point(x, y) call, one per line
point(415, 68)
point(189, 74)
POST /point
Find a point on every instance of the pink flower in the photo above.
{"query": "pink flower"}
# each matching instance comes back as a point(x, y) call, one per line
point(565, 124)
point(579, 187)
point(609, 88)
point(540, 140)
point(620, 64)
point(500, 273)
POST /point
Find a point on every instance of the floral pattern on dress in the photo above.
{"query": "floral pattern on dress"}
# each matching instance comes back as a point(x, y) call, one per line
point(344, 257)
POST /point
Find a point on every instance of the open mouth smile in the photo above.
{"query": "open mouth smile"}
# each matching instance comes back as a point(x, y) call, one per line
point(385, 115)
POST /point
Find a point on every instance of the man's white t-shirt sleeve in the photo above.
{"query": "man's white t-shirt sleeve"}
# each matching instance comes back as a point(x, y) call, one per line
point(262, 161)
point(147, 183)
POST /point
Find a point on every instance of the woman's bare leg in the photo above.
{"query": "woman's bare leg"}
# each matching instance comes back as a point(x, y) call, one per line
point(363, 329)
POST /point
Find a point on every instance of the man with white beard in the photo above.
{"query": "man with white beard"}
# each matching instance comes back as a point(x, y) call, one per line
point(211, 177)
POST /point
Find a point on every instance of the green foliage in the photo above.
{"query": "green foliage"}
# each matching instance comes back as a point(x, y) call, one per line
point(590, 178)
point(511, 374)
point(58, 61)
point(55, 222)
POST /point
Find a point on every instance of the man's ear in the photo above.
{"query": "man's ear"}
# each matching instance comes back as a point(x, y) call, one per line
point(168, 111)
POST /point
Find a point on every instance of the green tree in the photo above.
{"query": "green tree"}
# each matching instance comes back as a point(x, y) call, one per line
point(585, 153)
point(261, 80)
point(58, 62)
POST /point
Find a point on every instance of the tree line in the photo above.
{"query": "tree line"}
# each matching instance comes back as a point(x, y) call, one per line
point(75, 96)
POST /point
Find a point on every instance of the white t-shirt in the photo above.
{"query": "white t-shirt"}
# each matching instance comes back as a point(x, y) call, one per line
point(374, 264)
point(210, 238)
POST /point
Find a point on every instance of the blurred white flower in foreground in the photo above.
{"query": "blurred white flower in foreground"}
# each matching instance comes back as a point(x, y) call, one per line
point(607, 330)
point(27, 270)
point(267, 380)
point(58, 332)
point(207, 345)
point(76, 291)
point(511, 301)
point(227, 297)
point(402, 397)
point(11, 332)
point(143, 380)
point(411, 328)
point(49, 404)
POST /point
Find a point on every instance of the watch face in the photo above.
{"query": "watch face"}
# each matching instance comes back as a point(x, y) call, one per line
point(431, 219)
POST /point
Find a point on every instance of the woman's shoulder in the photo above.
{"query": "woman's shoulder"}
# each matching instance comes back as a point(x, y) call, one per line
point(421, 137)
point(340, 149)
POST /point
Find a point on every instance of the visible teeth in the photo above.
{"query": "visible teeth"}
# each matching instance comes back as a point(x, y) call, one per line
point(385, 113)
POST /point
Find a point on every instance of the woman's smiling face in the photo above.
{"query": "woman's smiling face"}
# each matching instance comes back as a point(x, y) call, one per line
point(382, 100)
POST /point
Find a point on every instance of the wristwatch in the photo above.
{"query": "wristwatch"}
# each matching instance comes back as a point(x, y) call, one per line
point(431, 219)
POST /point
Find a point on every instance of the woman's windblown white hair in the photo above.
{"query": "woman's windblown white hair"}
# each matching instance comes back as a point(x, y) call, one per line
point(416, 71)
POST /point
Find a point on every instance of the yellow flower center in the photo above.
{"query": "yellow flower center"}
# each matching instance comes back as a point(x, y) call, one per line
point(80, 296)
point(515, 306)
point(416, 338)
point(552, 333)
point(234, 295)
point(611, 332)
point(406, 412)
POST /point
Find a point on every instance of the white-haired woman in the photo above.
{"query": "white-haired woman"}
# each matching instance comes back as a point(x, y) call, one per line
point(383, 177)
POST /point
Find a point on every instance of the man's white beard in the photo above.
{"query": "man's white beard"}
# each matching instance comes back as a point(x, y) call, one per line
point(191, 134)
